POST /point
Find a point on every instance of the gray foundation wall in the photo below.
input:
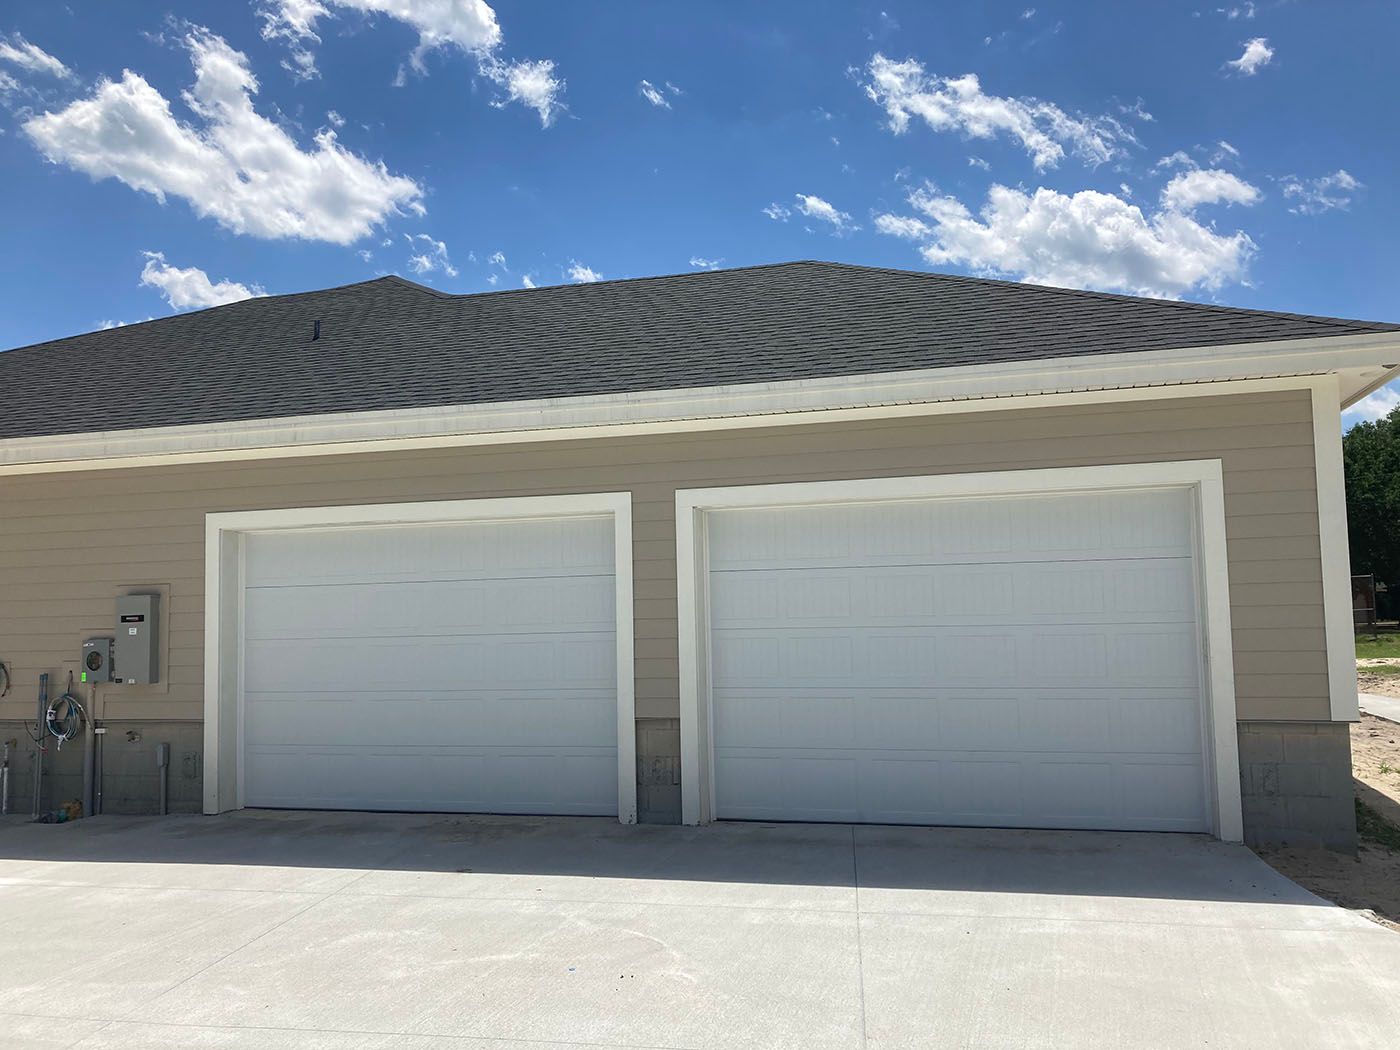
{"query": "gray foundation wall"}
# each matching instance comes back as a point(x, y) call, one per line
point(130, 778)
point(659, 770)
point(1296, 781)
point(1295, 776)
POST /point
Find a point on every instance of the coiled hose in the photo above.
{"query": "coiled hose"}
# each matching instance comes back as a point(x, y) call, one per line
point(65, 717)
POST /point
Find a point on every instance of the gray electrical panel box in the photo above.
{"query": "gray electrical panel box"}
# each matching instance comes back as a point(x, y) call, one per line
point(138, 639)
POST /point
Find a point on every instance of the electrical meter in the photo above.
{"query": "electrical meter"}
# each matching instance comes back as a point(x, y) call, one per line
point(98, 664)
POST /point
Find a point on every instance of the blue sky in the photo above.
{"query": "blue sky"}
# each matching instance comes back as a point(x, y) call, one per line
point(158, 159)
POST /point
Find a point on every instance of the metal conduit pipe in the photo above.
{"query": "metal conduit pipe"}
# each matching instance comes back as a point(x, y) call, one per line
point(39, 749)
point(163, 764)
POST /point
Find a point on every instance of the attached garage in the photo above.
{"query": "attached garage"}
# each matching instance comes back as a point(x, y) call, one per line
point(954, 651)
point(909, 547)
point(455, 657)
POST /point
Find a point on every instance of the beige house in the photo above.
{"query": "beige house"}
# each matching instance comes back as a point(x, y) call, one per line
point(804, 542)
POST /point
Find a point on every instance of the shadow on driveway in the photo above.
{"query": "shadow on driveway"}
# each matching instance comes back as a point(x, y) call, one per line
point(970, 860)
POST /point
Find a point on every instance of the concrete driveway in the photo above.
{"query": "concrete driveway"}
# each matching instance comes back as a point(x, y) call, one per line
point(297, 930)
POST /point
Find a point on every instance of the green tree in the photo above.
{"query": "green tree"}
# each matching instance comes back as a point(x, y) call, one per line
point(1371, 460)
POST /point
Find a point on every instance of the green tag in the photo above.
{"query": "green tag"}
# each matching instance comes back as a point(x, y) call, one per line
point(84, 676)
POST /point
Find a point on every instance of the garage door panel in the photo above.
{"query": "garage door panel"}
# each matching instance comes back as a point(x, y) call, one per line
point(435, 779)
point(1105, 592)
point(500, 661)
point(912, 787)
point(808, 719)
point(1086, 656)
point(1156, 722)
point(787, 786)
point(461, 667)
point(1049, 528)
point(402, 553)
point(1023, 661)
point(411, 718)
point(446, 607)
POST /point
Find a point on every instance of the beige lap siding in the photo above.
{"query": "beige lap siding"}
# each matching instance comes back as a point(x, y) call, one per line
point(68, 542)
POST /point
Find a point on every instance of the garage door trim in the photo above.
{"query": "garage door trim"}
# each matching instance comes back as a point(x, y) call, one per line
point(224, 558)
point(1203, 478)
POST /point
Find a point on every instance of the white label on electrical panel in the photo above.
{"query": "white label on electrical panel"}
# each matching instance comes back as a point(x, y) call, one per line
point(131, 630)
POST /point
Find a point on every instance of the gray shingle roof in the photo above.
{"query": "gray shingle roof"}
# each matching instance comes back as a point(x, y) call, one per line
point(389, 343)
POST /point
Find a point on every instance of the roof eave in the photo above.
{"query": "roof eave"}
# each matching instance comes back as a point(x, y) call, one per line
point(1361, 362)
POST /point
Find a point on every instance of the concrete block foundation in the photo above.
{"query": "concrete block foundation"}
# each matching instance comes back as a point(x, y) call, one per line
point(1295, 776)
point(659, 770)
point(1296, 782)
point(130, 780)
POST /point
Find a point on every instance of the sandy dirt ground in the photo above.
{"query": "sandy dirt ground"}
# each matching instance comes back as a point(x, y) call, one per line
point(1370, 881)
point(1380, 684)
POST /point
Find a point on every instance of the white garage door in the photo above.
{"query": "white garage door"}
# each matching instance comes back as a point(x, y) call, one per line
point(1022, 662)
point(450, 667)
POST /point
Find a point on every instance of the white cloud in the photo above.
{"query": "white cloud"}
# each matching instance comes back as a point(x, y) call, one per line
point(1179, 159)
point(1085, 240)
point(701, 263)
point(1028, 13)
point(468, 26)
point(189, 288)
point(777, 212)
point(1200, 186)
point(238, 167)
point(1374, 406)
point(1044, 130)
point(1245, 11)
point(498, 259)
point(1257, 55)
point(822, 211)
point(906, 226)
point(526, 281)
point(978, 162)
point(18, 51)
point(580, 274)
point(431, 255)
point(365, 254)
point(1314, 196)
point(109, 324)
point(530, 83)
point(337, 121)
point(1136, 111)
point(653, 95)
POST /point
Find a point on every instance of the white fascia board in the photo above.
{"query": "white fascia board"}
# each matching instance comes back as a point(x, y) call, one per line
point(1365, 385)
point(969, 388)
point(1336, 552)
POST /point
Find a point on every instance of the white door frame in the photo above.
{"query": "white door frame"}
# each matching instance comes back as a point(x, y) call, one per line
point(223, 614)
point(1203, 478)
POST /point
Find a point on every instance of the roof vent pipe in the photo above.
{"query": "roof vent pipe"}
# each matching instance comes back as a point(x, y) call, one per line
point(315, 330)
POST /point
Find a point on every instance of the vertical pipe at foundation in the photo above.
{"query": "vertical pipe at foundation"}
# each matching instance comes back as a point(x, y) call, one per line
point(101, 735)
point(89, 763)
point(163, 764)
point(39, 730)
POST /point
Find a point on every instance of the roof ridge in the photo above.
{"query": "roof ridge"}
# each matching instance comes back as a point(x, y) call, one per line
point(1002, 284)
point(683, 274)
point(386, 278)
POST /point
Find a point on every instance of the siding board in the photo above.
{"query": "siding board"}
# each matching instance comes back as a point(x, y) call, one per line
point(61, 561)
